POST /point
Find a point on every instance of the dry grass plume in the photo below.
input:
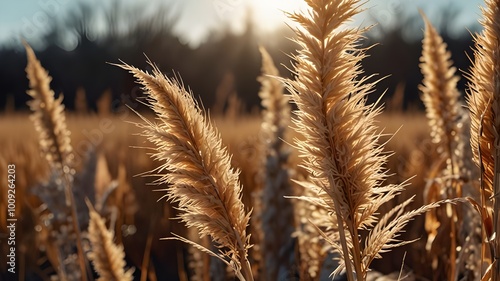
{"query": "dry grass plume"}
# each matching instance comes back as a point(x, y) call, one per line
point(340, 144)
point(108, 258)
point(277, 211)
point(50, 123)
point(484, 105)
point(197, 168)
point(48, 115)
point(445, 117)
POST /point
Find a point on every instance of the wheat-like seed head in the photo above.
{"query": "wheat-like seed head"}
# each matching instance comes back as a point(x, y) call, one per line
point(340, 144)
point(196, 167)
point(48, 115)
point(276, 112)
point(446, 120)
point(277, 211)
point(384, 236)
point(484, 94)
point(484, 105)
point(108, 258)
point(310, 215)
point(440, 94)
point(340, 137)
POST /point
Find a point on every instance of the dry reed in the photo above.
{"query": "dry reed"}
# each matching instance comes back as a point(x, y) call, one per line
point(197, 168)
point(277, 216)
point(108, 258)
point(441, 97)
point(340, 145)
point(48, 116)
point(50, 123)
point(484, 105)
point(444, 114)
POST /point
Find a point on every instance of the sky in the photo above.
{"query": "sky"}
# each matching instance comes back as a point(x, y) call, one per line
point(198, 17)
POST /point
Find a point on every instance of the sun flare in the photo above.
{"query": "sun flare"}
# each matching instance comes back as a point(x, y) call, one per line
point(271, 14)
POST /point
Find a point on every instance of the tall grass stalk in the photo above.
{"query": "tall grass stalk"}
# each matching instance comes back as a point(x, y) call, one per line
point(340, 144)
point(484, 105)
point(197, 168)
point(444, 113)
point(108, 258)
point(277, 211)
point(50, 123)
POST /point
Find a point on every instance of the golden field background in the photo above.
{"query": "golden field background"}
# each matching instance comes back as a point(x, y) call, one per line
point(120, 155)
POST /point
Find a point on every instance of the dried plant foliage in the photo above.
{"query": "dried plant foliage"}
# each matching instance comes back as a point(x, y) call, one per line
point(104, 185)
point(448, 122)
point(277, 216)
point(441, 97)
point(48, 116)
point(339, 209)
point(104, 103)
point(340, 145)
point(108, 258)
point(484, 105)
point(50, 123)
point(197, 168)
point(235, 107)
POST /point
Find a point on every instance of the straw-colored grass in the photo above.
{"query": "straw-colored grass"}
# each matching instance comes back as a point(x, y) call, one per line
point(48, 117)
point(345, 202)
point(108, 258)
point(445, 116)
point(197, 167)
point(277, 215)
point(484, 104)
point(340, 144)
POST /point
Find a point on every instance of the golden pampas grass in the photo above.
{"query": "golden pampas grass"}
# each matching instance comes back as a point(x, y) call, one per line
point(50, 122)
point(108, 258)
point(340, 144)
point(197, 168)
point(277, 215)
point(484, 105)
point(483, 99)
point(440, 94)
point(48, 115)
point(444, 113)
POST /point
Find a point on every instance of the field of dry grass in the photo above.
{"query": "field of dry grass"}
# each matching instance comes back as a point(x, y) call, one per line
point(139, 215)
point(333, 188)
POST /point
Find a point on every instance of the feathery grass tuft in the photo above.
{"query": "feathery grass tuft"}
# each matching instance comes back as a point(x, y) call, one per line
point(48, 115)
point(108, 258)
point(445, 117)
point(484, 105)
point(277, 211)
point(340, 145)
point(440, 94)
point(50, 122)
point(197, 168)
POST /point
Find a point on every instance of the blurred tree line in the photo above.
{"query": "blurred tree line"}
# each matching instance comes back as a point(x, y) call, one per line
point(221, 70)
